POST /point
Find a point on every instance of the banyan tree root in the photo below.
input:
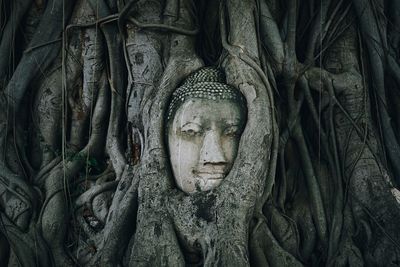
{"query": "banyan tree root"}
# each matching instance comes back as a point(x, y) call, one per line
point(92, 185)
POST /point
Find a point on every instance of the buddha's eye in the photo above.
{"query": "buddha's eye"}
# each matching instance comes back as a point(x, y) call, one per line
point(190, 132)
point(191, 129)
point(232, 131)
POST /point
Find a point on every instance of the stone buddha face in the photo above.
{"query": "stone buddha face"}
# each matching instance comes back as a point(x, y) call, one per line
point(204, 131)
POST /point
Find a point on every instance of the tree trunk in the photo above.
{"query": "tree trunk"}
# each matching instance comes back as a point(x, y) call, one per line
point(85, 175)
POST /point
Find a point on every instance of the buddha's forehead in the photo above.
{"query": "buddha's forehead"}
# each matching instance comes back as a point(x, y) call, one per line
point(204, 111)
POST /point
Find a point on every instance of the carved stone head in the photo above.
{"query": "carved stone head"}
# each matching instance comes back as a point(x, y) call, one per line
point(205, 120)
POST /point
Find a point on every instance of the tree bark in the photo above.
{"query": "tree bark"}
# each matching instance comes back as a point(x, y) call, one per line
point(85, 178)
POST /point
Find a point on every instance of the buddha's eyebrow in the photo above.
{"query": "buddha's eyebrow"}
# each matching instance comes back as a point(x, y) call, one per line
point(232, 122)
point(190, 122)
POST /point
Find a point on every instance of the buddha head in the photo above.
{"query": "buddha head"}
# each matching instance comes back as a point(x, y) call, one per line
point(205, 120)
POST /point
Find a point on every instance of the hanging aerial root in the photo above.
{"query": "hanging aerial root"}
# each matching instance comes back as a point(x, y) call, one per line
point(8, 37)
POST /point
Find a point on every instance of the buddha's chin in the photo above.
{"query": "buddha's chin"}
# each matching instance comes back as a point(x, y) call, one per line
point(201, 183)
point(210, 183)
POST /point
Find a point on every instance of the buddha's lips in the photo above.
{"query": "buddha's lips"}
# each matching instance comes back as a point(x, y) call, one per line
point(211, 174)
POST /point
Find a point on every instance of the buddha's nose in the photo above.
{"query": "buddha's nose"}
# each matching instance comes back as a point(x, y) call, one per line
point(211, 151)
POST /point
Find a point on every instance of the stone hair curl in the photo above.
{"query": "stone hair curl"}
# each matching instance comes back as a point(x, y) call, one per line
point(205, 83)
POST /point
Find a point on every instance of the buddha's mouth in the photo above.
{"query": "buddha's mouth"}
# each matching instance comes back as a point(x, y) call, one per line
point(211, 175)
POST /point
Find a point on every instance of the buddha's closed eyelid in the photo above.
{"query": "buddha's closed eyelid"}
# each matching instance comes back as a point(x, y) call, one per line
point(191, 129)
point(232, 130)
